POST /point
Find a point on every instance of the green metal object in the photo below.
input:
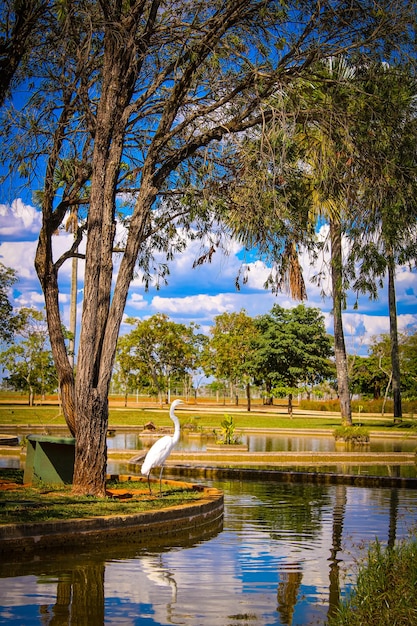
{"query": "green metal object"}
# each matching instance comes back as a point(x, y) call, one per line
point(49, 459)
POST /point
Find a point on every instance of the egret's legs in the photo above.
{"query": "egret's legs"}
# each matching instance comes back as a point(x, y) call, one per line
point(160, 480)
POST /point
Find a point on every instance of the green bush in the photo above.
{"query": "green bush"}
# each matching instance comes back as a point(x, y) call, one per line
point(386, 589)
point(352, 434)
point(320, 405)
point(359, 406)
point(228, 431)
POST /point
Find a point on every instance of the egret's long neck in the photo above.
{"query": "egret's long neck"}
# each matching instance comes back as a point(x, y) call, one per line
point(176, 436)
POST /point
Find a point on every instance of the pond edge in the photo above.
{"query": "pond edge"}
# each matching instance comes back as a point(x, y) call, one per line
point(185, 522)
point(318, 478)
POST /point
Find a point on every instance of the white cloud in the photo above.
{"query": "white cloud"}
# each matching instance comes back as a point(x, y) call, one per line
point(19, 220)
point(257, 274)
point(203, 292)
point(20, 255)
point(197, 305)
point(29, 299)
point(407, 322)
point(137, 302)
point(406, 288)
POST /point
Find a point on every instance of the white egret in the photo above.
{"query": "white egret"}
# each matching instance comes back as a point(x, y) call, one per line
point(162, 448)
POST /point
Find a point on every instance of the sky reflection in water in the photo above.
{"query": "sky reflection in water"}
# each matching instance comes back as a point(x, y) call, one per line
point(285, 553)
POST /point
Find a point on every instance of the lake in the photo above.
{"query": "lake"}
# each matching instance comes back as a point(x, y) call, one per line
point(265, 442)
point(284, 556)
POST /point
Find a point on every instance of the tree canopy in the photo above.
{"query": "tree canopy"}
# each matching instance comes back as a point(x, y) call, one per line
point(229, 353)
point(28, 360)
point(157, 353)
point(292, 349)
point(131, 119)
point(7, 319)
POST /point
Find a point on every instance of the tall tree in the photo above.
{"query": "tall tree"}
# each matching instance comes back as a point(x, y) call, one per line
point(307, 181)
point(138, 98)
point(386, 170)
point(292, 348)
point(381, 349)
point(229, 353)
point(368, 376)
point(326, 150)
point(160, 351)
point(28, 360)
point(409, 365)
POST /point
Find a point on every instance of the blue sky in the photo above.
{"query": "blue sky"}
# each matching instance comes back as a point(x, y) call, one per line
point(197, 294)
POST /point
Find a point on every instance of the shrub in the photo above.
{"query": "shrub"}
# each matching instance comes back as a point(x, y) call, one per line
point(352, 434)
point(364, 405)
point(385, 593)
point(320, 405)
point(228, 431)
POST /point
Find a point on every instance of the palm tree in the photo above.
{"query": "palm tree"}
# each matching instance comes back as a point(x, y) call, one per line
point(304, 179)
point(348, 158)
point(385, 131)
point(326, 153)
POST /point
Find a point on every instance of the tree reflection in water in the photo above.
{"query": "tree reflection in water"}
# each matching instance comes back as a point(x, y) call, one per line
point(334, 574)
point(283, 558)
point(79, 599)
point(288, 590)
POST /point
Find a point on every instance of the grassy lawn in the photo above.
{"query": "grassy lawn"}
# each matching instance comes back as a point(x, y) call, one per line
point(44, 503)
point(202, 417)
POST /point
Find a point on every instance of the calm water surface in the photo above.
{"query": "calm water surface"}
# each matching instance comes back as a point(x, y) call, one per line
point(285, 555)
point(266, 443)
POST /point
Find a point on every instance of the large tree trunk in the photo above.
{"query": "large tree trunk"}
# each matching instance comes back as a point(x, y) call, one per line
point(100, 324)
point(248, 396)
point(339, 338)
point(289, 408)
point(73, 311)
point(91, 447)
point(393, 331)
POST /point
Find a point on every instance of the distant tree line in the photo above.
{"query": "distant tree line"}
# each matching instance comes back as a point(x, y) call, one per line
point(283, 353)
point(25, 354)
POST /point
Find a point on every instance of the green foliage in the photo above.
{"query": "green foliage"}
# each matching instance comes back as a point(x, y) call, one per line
point(384, 131)
point(193, 424)
point(385, 592)
point(370, 376)
point(29, 361)
point(352, 434)
point(230, 352)
point(320, 405)
point(408, 360)
point(280, 391)
point(228, 431)
point(292, 349)
point(156, 353)
point(7, 319)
